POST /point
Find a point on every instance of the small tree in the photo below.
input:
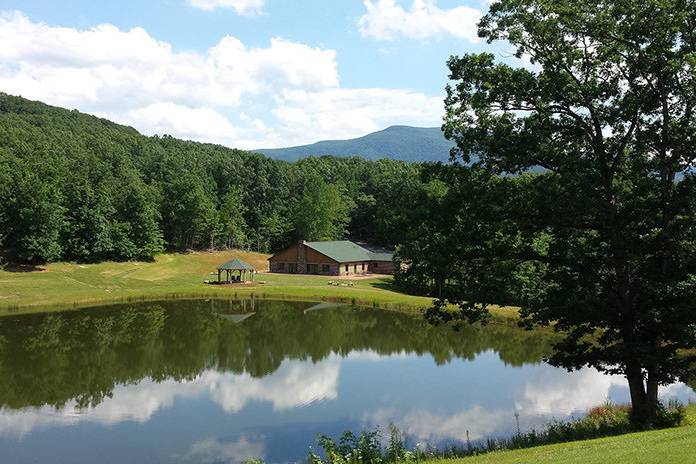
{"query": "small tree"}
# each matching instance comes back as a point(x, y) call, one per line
point(602, 244)
point(232, 211)
point(323, 212)
point(273, 233)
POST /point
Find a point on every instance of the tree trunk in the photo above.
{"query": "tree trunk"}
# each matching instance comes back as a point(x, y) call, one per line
point(651, 396)
point(643, 401)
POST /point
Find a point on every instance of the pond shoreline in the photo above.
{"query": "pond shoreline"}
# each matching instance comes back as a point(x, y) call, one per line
point(68, 286)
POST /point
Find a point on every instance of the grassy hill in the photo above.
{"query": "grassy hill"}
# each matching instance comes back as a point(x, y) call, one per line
point(58, 286)
point(178, 275)
point(396, 142)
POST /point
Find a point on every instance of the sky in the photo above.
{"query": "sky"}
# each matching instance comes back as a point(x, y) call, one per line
point(242, 73)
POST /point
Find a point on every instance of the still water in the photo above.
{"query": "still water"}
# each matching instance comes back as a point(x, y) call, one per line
point(222, 382)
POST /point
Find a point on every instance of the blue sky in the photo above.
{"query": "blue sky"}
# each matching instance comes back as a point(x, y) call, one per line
point(244, 73)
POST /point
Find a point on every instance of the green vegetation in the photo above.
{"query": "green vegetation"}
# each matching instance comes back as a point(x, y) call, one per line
point(581, 208)
point(672, 445)
point(322, 213)
point(61, 285)
point(78, 188)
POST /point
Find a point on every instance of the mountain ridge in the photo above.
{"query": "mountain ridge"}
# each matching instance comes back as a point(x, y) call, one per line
point(400, 142)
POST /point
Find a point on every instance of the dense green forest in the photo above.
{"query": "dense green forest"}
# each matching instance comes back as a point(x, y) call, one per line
point(80, 188)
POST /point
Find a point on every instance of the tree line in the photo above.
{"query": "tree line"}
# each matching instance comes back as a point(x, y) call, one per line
point(79, 188)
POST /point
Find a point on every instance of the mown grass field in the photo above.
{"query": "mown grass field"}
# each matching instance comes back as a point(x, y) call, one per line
point(666, 446)
point(181, 275)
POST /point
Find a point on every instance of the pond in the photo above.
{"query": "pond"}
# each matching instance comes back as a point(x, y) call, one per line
point(224, 381)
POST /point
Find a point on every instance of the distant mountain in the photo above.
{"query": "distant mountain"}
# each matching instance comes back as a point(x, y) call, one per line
point(397, 142)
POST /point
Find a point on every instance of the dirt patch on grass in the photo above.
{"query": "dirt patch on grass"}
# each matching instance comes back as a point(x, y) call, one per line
point(349, 277)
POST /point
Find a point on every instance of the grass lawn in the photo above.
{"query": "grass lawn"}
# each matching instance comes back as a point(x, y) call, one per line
point(66, 285)
point(667, 446)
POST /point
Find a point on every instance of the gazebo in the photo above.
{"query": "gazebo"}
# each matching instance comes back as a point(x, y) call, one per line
point(236, 265)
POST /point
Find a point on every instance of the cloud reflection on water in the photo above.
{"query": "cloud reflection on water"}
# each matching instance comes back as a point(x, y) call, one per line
point(548, 394)
point(541, 393)
point(296, 383)
point(230, 452)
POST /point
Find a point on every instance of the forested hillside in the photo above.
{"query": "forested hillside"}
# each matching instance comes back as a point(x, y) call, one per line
point(76, 187)
point(396, 142)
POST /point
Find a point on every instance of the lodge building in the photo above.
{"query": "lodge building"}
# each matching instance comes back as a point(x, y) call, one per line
point(336, 258)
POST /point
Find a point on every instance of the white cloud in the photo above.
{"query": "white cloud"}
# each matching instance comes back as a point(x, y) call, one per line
point(295, 383)
point(242, 7)
point(550, 393)
point(106, 67)
point(186, 122)
point(547, 393)
point(233, 452)
point(136, 402)
point(433, 428)
point(284, 94)
point(385, 20)
point(559, 393)
point(345, 113)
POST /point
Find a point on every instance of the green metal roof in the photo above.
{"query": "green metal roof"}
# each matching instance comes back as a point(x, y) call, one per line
point(382, 256)
point(236, 264)
point(345, 251)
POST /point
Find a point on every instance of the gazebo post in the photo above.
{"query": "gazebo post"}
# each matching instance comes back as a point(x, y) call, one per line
point(219, 271)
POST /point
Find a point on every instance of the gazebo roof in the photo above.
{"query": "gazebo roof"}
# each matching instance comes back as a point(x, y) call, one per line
point(236, 264)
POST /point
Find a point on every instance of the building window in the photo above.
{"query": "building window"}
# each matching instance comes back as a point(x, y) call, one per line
point(280, 266)
point(313, 268)
point(355, 268)
point(325, 268)
point(346, 268)
point(363, 266)
point(374, 264)
point(292, 268)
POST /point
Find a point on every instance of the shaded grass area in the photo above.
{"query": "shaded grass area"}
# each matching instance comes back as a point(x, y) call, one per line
point(666, 446)
point(180, 275)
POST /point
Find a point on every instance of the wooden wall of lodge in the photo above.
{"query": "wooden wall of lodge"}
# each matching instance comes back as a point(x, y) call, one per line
point(282, 261)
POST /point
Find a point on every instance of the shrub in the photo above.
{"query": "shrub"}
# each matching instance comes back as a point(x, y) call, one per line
point(672, 415)
point(367, 448)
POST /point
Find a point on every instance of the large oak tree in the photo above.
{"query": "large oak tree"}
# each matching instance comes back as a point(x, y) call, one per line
point(601, 242)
